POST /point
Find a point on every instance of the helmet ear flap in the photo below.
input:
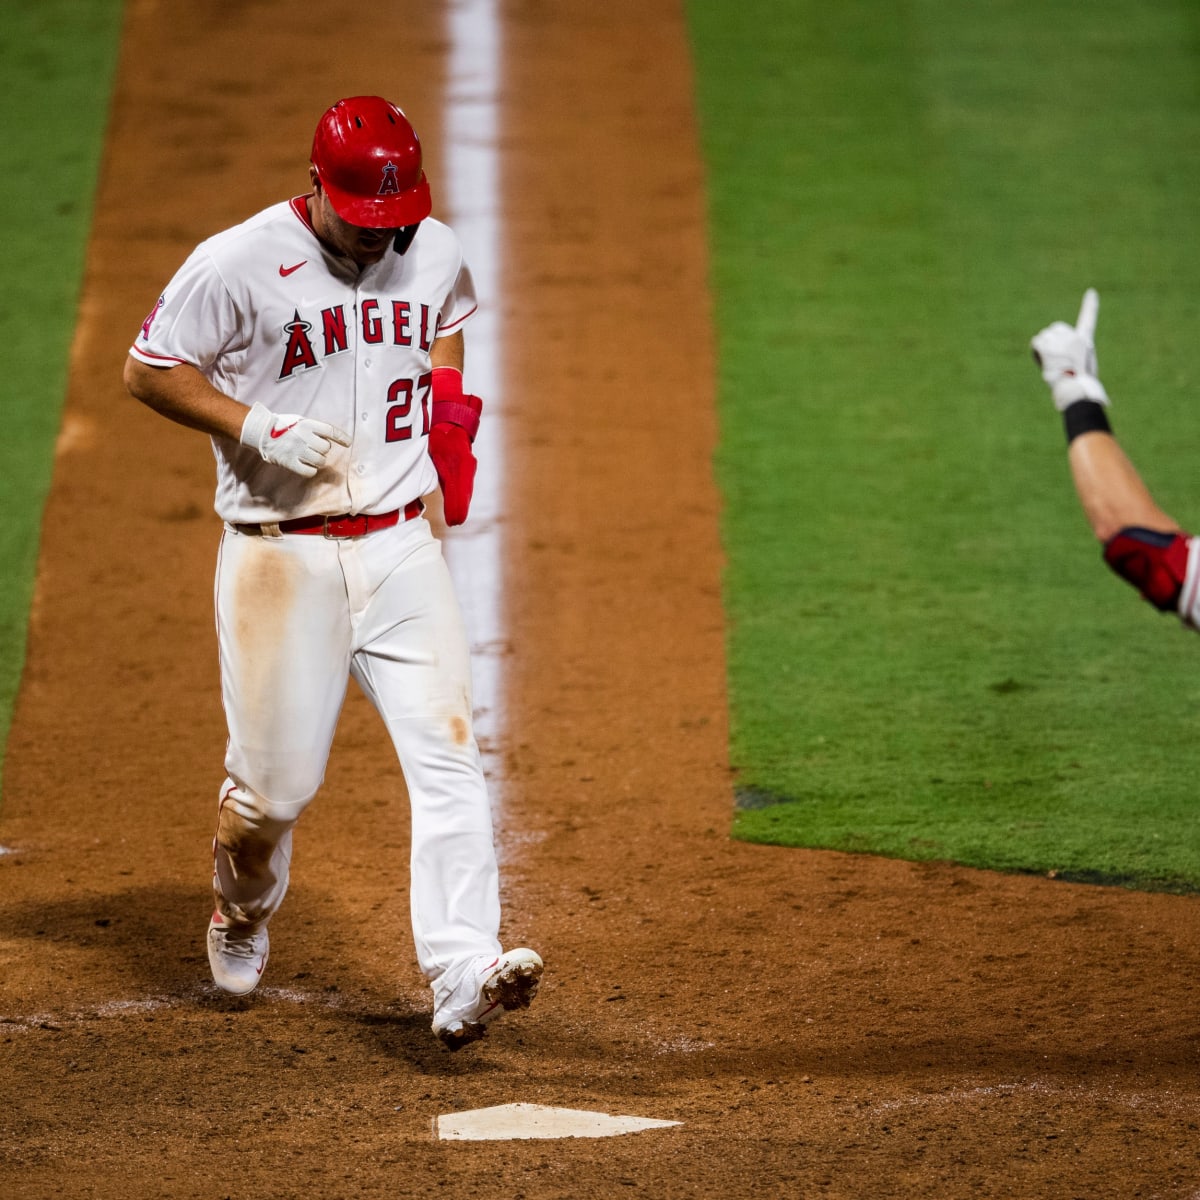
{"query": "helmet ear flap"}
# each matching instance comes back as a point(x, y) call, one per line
point(404, 238)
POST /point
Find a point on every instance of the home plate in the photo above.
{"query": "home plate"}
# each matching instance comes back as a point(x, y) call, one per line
point(512, 1121)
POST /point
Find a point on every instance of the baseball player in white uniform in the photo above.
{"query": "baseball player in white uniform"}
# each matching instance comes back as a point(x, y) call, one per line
point(1141, 543)
point(320, 346)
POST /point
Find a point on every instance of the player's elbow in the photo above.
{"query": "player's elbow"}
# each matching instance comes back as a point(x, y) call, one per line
point(132, 378)
point(1106, 527)
point(1155, 561)
point(142, 382)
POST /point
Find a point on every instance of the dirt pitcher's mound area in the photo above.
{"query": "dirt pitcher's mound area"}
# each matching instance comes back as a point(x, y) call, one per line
point(819, 1024)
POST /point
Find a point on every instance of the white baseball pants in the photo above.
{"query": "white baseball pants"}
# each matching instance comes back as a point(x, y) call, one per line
point(297, 614)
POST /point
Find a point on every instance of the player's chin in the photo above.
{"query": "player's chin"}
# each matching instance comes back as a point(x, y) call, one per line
point(370, 250)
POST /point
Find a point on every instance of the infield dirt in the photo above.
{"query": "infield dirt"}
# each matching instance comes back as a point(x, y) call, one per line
point(821, 1024)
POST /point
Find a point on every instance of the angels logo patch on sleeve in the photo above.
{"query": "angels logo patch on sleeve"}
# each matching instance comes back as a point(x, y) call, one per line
point(150, 319)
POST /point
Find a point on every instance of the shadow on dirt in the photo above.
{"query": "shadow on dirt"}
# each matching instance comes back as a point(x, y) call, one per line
point(143, 948)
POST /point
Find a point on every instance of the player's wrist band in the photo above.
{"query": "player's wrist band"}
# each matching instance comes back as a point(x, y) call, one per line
point(1085, 416)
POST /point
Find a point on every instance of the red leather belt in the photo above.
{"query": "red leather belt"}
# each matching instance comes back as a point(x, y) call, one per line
point(344, 526)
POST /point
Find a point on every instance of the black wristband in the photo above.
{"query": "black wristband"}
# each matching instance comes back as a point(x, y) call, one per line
point(1085, 416)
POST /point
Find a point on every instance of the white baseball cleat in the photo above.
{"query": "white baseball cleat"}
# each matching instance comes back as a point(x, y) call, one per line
point(487, 990)
point(237, 955)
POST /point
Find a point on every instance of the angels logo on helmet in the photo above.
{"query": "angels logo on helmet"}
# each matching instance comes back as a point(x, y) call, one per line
point(389, 186)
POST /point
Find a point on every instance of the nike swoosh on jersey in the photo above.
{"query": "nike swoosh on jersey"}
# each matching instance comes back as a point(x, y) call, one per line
point(278, 433)
point(286, 271)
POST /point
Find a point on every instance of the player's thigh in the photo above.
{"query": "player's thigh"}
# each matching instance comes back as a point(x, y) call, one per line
point(283, 632)
point(411, 656)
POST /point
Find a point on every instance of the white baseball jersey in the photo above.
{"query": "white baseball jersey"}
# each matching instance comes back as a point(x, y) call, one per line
point(1189, 595)
point(268, 314)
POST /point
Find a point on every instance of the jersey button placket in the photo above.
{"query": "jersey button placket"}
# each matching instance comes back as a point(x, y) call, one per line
point(362, 361)
point(365, 434)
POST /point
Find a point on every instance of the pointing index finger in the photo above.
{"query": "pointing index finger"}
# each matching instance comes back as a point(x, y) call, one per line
point(1088, 311)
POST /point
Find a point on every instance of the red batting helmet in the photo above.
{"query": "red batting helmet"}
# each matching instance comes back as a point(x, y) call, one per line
point(368, 158)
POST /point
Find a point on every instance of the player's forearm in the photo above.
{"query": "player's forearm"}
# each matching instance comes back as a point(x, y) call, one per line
point(183, 395)
point(449, 351)
point(1110, 490)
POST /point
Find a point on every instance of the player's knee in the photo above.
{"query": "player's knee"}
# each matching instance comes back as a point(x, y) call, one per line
point(280, 785)
point(273, 804)
point(1153, 561)
point(246, 825)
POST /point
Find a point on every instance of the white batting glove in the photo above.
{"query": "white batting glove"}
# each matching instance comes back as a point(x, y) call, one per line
point(287, 440)
point(1067, 356)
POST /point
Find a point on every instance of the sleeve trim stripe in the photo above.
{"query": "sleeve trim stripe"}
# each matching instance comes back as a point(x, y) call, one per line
point(444, 329)
point(148, 355)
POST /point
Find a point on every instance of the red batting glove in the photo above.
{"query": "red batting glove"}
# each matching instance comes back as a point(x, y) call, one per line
point(455, 421)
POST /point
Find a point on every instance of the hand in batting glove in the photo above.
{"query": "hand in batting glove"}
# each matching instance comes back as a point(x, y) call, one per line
point(455, 421)
point(1067, 356)
point(287, 440)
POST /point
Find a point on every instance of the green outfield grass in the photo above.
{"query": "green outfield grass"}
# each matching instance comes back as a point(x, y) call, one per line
point(57, 59)
point(927, 658)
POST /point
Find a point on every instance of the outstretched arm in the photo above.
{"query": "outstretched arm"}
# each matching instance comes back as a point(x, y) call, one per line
point(1110, 490)
point(1142, 544)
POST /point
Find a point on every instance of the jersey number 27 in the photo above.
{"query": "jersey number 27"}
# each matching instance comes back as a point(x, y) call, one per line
point(400, 417)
